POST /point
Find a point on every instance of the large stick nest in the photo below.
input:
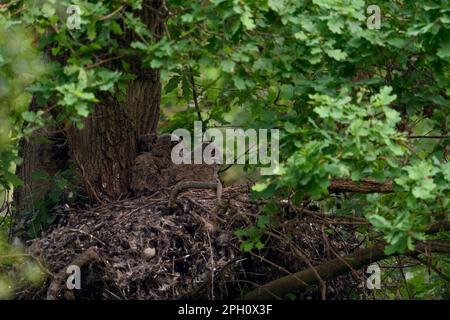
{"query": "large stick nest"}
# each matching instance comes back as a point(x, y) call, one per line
point(113, 245)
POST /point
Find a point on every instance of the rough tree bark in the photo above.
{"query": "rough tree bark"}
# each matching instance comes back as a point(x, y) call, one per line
point(104, 150)
point(43, 154)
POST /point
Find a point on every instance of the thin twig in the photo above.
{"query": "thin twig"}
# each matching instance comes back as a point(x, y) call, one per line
point(99, 63)
point(195, 95)
point(89, 235)
point(212, 266)
point(429, 137)
point(106, 17)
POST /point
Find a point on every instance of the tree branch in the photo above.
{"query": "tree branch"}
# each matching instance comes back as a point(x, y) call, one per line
point(302, 280)
point(364, 186)
point(438, 226)
point(195, 95)
point(429, 137)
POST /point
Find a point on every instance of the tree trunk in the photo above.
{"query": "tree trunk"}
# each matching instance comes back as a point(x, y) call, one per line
point(44, 154)
point(105, 149)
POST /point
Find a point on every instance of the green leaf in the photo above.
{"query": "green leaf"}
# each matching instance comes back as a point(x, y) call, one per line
point(446, 171)
point(335, 25)
point(91, 31)
point(263, 221)
point(260, 187)
point(14, 180)
point(172, 84)
point(444, 51)
point(82, 110)
point(29, 116)
point(228, 66)
point(380, 222)
point(247, 246)
point(276, 5)
point(385, 97)
point(259, 245)
point(287, 91)
point(424, 191)
point(116, 28)
point(247, 20)
point(337, 54)
point(239, 83)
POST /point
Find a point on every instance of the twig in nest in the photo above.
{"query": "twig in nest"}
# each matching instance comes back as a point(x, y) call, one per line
point(298, 252)
point(196, 291)
point(338, 256)
point(206, 225)
point(128, 214)
point(89, 235)
point(86, 180)
point(185, 185)
point(273, 264)
point(213, 268)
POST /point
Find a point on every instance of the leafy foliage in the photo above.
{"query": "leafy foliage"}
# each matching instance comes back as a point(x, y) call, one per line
point(19, 67)
point(17, 269)
point(351, 102)
point(347, 98)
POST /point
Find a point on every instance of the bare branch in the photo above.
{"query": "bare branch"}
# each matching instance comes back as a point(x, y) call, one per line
point(303, 279)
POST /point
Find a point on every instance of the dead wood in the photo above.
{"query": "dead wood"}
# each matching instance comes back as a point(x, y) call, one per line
point(88, 256)
point(364, 186)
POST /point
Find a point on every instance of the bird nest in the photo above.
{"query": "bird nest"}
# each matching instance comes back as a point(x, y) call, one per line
point(142, 249)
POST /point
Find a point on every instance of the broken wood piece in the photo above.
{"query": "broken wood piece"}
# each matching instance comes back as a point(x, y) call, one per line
point(87, 257)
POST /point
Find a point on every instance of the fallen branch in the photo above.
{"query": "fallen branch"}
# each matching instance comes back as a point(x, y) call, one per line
point(302, 280)
point(85, 258)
